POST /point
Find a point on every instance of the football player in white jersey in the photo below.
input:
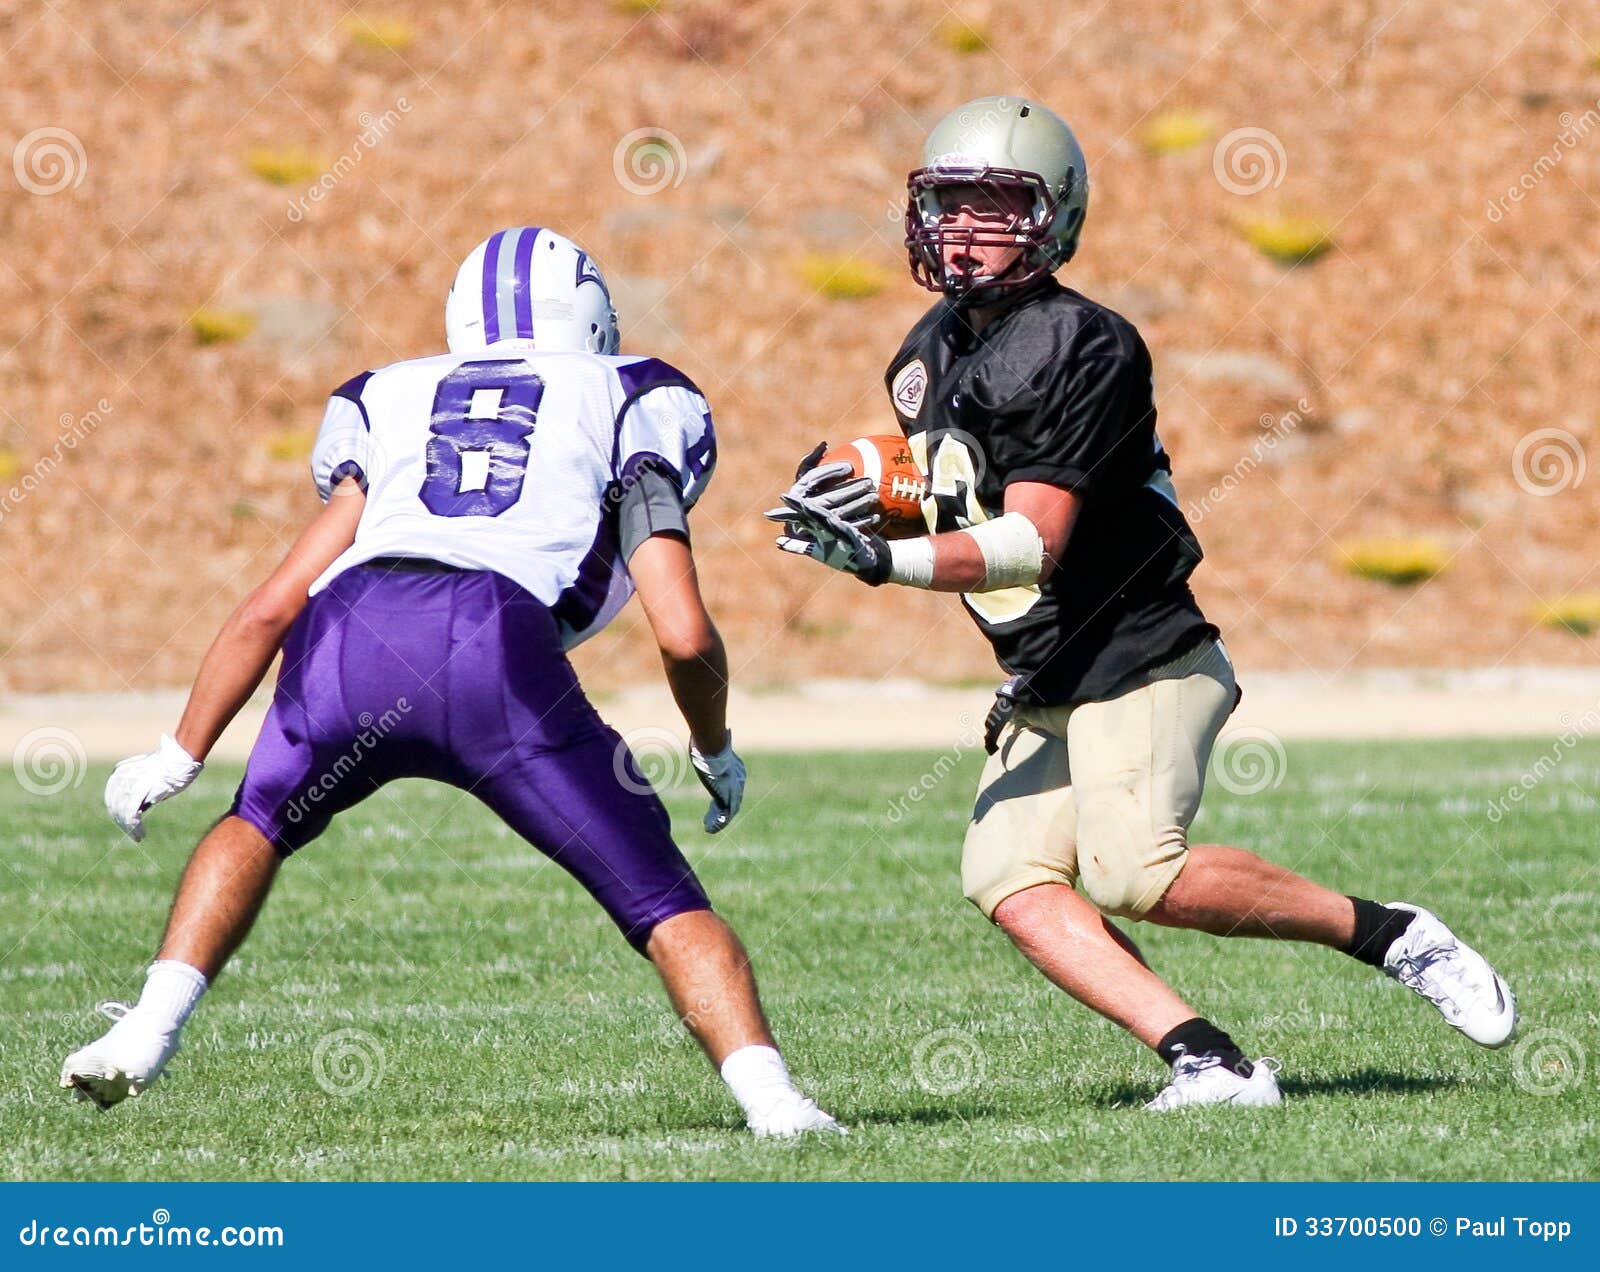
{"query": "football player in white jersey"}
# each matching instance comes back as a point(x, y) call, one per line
point(484, 511)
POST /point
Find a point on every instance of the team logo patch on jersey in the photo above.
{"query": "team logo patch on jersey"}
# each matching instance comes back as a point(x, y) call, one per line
point(910, 387)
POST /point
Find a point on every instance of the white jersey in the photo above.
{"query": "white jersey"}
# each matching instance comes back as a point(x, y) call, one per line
point(513, 461)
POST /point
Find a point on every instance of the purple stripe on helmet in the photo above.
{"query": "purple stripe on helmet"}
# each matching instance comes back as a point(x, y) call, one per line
point(522, 280)
point(491, 305)
point(505, 283)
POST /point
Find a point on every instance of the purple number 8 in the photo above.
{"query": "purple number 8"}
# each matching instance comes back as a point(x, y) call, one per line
point(483, 418)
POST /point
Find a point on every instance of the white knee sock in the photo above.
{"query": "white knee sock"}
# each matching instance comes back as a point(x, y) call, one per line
point(170, 992)
point(758, 1078)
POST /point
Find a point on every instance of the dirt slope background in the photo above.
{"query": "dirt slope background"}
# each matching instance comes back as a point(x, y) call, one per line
point(305, 178)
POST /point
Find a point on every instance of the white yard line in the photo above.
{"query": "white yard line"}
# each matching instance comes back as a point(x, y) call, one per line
point(870, 715)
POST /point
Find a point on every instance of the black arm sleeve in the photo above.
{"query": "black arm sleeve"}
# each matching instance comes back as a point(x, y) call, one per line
point(651, 504)
point(1082, 430)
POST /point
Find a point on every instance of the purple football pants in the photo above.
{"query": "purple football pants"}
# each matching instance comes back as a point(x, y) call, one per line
point(460, 677)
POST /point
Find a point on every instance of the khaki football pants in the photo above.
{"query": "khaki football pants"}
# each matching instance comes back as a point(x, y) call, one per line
point(1100, 794)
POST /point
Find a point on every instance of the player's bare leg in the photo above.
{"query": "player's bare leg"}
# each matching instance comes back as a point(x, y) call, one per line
point(1232, 892)
point(708, 978)
point(1068, 940)
point(221, 892)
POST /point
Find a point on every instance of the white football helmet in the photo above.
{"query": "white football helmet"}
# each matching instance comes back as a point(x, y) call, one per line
point(530, 284)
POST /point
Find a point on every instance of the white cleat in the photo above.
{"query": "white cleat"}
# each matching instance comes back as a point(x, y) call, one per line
point(787, 1118)
point(1454, 977)
point(1198, 1080)
point(124, 1061)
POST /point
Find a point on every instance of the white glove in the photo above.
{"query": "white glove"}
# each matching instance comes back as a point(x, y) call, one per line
point(723, 775)
point(143, 781)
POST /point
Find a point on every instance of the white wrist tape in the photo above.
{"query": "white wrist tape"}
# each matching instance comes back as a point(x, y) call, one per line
point(1013, 552)
point(911, 561)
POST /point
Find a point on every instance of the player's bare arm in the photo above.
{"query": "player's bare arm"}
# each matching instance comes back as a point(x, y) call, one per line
point(696, 665)
point(692, 653)
point(959, 564)
point(252, 635)
point(1020, 548)
point(233, 667)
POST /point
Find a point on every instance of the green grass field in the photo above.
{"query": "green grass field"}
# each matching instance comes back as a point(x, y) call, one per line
point(503, 1031)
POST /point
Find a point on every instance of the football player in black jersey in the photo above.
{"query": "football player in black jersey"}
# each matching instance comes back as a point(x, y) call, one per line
point(1051, 511)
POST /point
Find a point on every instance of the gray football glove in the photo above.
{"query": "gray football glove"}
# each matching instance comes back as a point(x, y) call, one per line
point(831, 486)
point(813, 529)
point(722, 774)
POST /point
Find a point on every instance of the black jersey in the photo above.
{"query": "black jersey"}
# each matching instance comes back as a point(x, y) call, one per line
point(1056, 389)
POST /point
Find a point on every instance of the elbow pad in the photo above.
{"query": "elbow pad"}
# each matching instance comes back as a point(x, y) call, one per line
point(1013, 552)
point(650, 503)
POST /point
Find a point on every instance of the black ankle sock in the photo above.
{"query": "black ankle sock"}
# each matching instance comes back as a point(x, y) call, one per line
point(1377, 928)
point(1199, 1037)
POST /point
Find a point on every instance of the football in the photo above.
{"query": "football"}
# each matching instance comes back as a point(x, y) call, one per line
point(902, 485)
